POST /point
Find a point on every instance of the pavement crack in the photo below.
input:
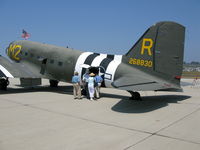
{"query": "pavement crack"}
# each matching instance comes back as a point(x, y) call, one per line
point(138, 142)
point(178, 120)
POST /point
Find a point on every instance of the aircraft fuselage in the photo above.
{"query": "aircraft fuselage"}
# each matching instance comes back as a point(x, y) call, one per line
point(59, 63)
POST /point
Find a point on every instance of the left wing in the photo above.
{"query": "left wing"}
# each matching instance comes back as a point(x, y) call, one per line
point(16, 70)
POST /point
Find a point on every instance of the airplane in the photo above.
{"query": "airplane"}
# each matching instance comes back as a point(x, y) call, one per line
point(153, 63)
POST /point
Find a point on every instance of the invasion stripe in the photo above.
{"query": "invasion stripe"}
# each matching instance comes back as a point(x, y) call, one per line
point(111, 57)
point(96, 62)
point(105, 64)
point(90, 58)
point(5, 72)
point(80, 61)
point(2, 74)
point(108, 62)
point(118, 58)
point(110, 71)
point(89, 61)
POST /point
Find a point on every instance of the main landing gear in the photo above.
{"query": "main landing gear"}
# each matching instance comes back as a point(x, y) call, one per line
point(4, 83)
point(135, 96)
point(53, 83)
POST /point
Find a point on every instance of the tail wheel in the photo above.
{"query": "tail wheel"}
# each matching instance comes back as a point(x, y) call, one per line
point(135, 95)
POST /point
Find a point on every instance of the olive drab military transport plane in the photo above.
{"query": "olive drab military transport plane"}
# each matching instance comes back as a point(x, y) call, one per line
point(154, 63)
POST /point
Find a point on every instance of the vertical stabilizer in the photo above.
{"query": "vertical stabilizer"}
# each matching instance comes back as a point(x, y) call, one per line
point(160, 49)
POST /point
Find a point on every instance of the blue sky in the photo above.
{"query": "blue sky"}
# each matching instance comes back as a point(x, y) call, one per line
point(106, 26)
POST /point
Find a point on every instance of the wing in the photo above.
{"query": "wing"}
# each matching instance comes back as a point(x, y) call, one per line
point(16, 70)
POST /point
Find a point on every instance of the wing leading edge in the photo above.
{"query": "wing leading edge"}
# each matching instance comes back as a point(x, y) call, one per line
point(16, 70)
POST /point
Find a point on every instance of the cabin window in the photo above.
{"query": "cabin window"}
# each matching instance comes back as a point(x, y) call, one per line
point(60, 63)
point(51, 61)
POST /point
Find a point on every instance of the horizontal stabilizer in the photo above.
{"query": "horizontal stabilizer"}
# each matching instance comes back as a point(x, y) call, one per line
point(143, 84)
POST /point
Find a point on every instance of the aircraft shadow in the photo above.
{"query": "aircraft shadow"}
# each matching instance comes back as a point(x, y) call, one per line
point(59, 89)
point(148, 103)
point(108, 95)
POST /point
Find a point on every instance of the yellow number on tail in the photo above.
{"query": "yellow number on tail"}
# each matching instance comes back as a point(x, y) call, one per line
point(141, 62)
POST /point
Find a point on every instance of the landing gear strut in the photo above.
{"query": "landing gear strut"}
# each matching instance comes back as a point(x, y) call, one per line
point(53, 83)
point(4, 83)
point(135, 96)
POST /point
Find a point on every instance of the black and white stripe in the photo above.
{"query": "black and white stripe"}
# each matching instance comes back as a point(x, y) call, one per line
point(4, 72)
point(108, 62)
point(88, 61)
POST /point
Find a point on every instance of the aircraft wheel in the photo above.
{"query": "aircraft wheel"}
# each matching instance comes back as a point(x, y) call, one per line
point(53, 83)
point(3, 84)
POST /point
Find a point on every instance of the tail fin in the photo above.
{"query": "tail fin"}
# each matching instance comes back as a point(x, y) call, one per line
point(160, 49)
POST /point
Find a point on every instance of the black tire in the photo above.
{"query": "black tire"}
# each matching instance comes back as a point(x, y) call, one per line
point(7, 82)
point(3, 84)
point(137, 96)
point(53, 83)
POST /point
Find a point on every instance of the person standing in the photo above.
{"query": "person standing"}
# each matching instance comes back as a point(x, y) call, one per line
point(91, 85)
point(76, 86)
point(85, 84)
point(98, 81)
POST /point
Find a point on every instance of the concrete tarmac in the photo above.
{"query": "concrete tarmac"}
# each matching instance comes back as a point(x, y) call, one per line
point(44, 118)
